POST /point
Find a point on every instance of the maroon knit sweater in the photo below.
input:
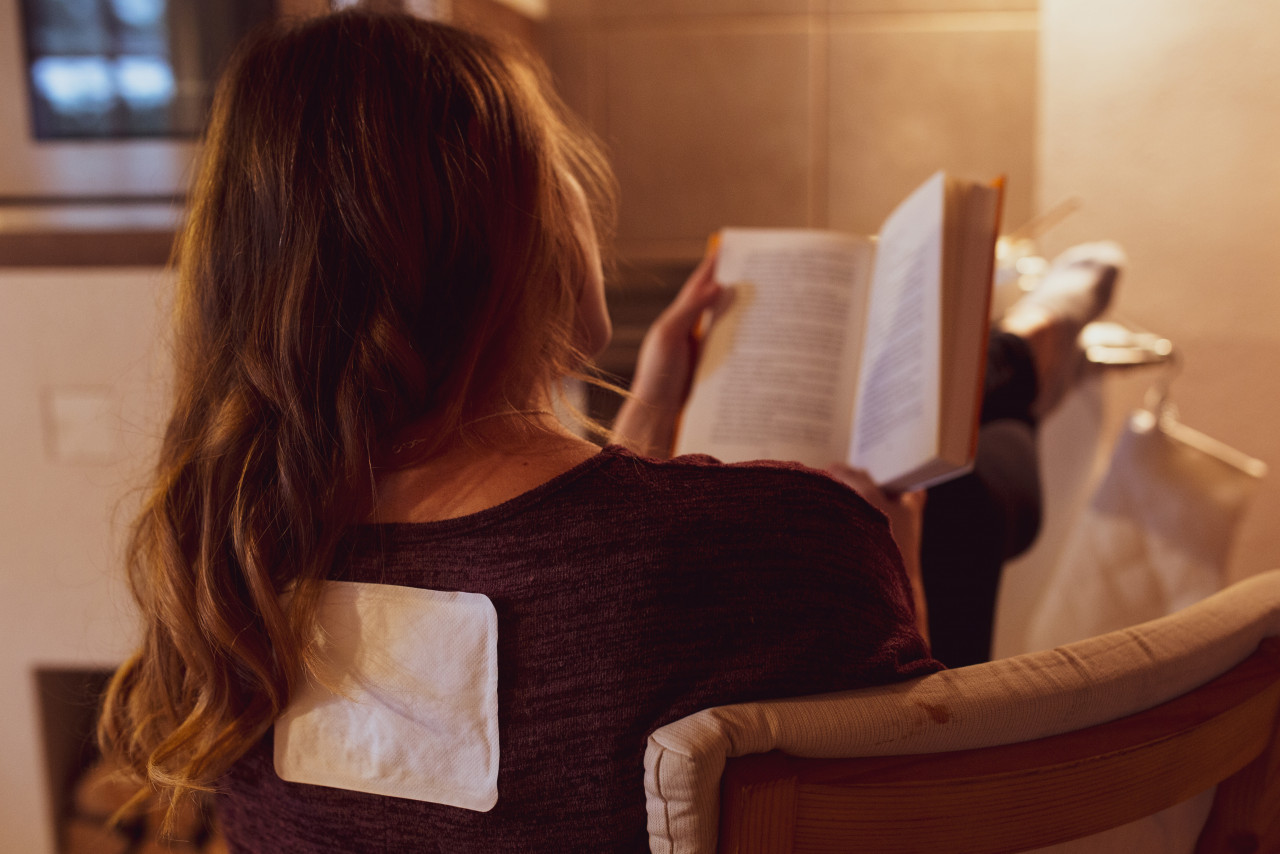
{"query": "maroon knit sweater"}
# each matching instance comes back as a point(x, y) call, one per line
point(630, 592)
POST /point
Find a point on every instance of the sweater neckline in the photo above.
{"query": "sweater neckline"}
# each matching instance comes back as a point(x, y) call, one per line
point(489, 515)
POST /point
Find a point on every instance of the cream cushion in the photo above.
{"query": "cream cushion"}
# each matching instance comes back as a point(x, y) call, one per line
point(1001, 702)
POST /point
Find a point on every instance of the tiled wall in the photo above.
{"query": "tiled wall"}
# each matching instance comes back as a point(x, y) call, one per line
point(819, 113)
point(1163, 118)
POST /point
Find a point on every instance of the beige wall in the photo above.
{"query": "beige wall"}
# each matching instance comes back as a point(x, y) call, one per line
point(80, 371)
point(795, 112)
point(1163, 117)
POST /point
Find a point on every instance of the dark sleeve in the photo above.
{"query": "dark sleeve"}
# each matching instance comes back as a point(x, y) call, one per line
point(787, 584)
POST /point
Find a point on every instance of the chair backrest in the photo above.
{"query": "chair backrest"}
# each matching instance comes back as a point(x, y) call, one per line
point(1004, 756)
point(1031, 794)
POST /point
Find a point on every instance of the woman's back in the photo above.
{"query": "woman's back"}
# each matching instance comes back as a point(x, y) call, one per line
point(390, 262)
point(629, 592)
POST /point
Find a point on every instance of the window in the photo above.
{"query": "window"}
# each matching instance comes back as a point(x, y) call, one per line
point(106, 69)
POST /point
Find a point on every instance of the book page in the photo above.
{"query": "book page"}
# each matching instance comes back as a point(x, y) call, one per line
point(778, 368)
point(896, 417)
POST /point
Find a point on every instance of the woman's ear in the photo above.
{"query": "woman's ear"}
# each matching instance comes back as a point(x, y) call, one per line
point(592, 323)
point(594, 327)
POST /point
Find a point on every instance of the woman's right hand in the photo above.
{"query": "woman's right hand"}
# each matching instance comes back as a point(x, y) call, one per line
point(905, 511)
point(647, 421)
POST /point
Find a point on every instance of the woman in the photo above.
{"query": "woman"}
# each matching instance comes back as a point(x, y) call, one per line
point(390, 261)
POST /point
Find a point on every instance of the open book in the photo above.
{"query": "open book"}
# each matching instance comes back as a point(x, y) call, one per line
point(838, 347)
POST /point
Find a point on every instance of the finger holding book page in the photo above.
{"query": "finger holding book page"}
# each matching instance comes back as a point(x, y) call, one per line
point(647, 420)
point(905, 511)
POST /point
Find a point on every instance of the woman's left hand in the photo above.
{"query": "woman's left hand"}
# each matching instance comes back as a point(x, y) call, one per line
point(646, 423)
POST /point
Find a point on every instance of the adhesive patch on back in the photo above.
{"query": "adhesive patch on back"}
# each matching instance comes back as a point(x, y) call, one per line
point(411, 705)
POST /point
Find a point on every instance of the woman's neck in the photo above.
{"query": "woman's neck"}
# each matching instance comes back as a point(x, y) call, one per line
point(489, 460)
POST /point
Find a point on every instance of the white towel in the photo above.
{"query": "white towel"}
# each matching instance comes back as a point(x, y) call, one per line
point(1155, 536)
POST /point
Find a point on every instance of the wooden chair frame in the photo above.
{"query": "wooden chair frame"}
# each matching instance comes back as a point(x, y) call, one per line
point(1021, 796)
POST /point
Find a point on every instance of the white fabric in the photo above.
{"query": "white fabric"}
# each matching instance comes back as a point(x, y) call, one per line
point(1001, 702)
point(1153, 539)
point(410, 704)
point(1171, 831)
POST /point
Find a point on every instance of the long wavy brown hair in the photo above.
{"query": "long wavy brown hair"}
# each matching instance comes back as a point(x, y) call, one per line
point(382, 228)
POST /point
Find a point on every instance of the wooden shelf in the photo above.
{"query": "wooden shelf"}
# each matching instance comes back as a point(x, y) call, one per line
point(86, 248)
point(87, 233)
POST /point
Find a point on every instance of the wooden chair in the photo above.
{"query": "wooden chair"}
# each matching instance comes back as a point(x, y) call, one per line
point(1006, 756)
